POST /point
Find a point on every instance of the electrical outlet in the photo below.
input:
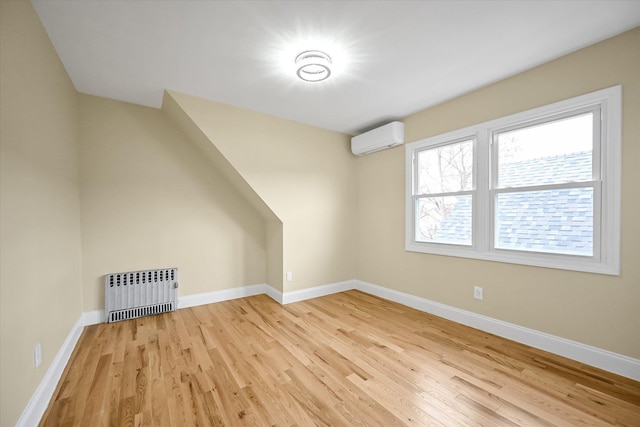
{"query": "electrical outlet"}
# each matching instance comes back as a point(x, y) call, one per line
point(37, 355)
point(477, 292)
point(289, 276)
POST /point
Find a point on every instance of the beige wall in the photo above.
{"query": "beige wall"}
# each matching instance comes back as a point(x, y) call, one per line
point(304, 174)
point(218, 161)
point(150, 199)
point(40, 265)
point(595, 309)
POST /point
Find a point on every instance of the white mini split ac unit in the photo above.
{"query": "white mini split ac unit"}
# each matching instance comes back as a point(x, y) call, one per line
point(386, 136)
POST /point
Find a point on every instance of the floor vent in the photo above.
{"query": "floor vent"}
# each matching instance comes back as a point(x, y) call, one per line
point(140, 293)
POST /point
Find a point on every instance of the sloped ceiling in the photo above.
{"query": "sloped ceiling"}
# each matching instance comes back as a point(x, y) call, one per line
point(391, 58)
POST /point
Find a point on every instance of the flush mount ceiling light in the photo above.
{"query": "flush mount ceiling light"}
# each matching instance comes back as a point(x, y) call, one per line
point(313, 66)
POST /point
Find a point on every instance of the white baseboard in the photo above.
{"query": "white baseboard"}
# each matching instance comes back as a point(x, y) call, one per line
point(318, 291)
point(93, 317)
point(263, 288)
point(603, 359)
point(275, 294)
point(40, 400)
point(222, 295)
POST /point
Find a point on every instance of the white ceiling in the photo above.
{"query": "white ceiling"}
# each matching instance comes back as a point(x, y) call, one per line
point(392, 58)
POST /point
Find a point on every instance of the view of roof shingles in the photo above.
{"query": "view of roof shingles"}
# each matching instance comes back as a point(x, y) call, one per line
point(558, 220)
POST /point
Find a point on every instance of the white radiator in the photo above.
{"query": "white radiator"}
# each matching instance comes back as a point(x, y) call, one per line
point(140, 293)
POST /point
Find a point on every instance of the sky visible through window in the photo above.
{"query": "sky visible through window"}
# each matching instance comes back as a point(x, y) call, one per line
point(570, 135)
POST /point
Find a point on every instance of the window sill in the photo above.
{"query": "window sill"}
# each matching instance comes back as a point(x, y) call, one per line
point(562, 262)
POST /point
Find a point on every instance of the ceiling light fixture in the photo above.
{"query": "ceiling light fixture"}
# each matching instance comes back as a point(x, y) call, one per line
point(313, 66)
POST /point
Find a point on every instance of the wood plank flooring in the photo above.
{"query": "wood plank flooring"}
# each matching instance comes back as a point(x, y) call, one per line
point(347, 359)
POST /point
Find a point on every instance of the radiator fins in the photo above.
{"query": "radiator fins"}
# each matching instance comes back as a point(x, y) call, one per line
point(133, 313)
point(140, 293)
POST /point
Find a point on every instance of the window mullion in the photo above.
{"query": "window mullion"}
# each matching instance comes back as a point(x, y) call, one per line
point(482, 211)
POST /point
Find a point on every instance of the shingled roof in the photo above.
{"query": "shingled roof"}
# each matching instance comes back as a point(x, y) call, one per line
point(558, 220)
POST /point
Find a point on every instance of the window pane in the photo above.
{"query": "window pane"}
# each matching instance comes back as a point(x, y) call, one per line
point(555, 221)
point(446, 169)
point(444, 219)
point(551, 153)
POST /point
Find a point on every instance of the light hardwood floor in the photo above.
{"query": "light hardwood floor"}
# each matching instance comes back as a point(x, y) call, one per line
point(347, 359)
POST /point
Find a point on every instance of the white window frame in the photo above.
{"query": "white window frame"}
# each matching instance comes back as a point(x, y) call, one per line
point(606, 239)
point(471, 192)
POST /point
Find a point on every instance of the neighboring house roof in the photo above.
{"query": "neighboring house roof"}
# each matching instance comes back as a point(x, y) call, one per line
point(559, 220)
point(548, 170)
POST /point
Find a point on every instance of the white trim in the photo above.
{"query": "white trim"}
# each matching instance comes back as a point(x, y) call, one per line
point(318, 291)
point(603, 359)
point(36, 407)
point(221, 295)
point(275, 294)
point(92, 317)
point(611, 157)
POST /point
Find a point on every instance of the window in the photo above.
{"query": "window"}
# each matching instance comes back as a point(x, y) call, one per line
point(538, 188)
point(445, 193)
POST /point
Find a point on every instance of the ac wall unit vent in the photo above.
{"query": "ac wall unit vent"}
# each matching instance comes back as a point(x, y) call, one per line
point(386, 136)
